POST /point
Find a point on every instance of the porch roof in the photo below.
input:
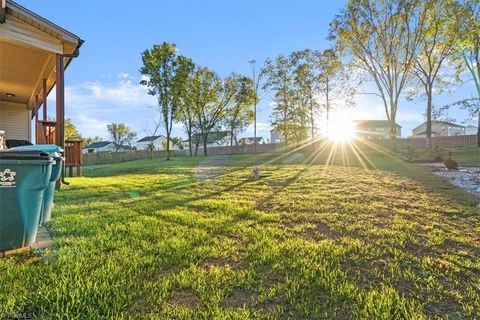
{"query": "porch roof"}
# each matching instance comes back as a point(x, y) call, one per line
point(28, 46)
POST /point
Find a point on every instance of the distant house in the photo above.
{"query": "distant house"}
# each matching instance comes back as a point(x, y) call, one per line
point(471, 130)
point(104, 146)
point(375, 129)
point(214, 139)
point(146, 143)
point(440, 129)
point(250, 140)
point(275, 136)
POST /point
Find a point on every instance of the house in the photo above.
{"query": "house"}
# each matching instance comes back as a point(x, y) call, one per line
point(375, 129)
point(251, 140)
point(440, 129)
point(34, 53)
point(104, 146)
point(150, 143)
point(275, 136)
point(471, 130)
point(214, 139)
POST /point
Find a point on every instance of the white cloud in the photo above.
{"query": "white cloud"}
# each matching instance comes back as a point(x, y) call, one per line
point(91, 105)
point(94, 127)
point(123, 75)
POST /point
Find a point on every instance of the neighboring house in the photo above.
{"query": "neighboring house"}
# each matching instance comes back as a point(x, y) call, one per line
point(471, 130)
point(104, 146)
point(275, 136)
point(375, 129)
point(34, 53)
point(250, 140)
point(214, 139)
point(157, 142)
point(440, 129)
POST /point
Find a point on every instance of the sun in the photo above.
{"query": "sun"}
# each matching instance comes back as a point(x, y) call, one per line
point(341, 129)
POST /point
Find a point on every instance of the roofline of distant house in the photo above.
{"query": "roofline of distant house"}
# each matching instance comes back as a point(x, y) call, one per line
point(387, 121)
point(439, 121)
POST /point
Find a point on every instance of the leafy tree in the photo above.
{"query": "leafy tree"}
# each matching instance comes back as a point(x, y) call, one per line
point(306, 79)
point(71, 132)
point(333, 83)
point(288, 117)
point(186, 112)
point(256, 78)
point(167, 75)
point(121, 135)
point(436, 48)
point(382, 37)
point(177, 141)
point(469, 44)
point(211, 97)
point(88, 141)
point(239, 113)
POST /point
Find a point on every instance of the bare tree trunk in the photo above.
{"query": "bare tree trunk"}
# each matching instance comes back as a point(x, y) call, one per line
point(205, 138)
point(168, 146)
point(255, 126)
point(312, 122)
point(393, 134)
point(428, 132)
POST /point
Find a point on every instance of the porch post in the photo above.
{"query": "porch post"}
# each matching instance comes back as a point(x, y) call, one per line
point(60, 101)
point(44, 91)
point(37, 141)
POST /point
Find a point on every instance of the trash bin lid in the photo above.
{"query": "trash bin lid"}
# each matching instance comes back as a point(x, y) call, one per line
point(24, 155)
point(50, 148)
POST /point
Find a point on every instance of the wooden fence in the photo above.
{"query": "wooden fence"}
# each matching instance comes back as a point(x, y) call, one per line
point(114, 157)
point(444, 142)
point(419, 143)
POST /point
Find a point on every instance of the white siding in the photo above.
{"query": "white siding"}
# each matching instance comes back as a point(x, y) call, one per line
point(15, 120)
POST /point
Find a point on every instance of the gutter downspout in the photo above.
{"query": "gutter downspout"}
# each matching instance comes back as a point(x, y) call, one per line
point(61, 98)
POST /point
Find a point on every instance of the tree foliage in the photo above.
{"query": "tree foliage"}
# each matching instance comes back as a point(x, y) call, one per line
point(121, 135)
point(382, 38)
point(71, 132)
point(167, 74)
point(239, 113)
point(288, 117)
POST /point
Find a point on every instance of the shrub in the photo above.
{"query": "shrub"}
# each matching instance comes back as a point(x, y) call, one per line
point(450, 163)
point(438, 153)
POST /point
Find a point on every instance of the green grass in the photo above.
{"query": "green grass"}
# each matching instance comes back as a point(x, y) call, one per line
point(150, 240)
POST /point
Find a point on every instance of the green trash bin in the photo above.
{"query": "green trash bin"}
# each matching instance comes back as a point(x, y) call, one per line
point(55, 151)
point(24, 176)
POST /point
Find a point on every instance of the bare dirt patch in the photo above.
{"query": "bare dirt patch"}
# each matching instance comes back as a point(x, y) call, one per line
point(239, 299)
point(212, 263)
point(184, 298)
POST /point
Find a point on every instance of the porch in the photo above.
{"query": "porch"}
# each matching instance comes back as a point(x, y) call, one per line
point(34, 53)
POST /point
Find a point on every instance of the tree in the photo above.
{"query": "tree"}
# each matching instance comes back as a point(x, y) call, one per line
point(436, 48)
point(211, 96)
point(382, 37)
point(307, 83)
point(288, 119)
point(186, 111)
point(468, 46)
point(239, 113)
point(71, 132)
point(167, 77)
point(88, 141)
point(256, 77)
point(177, 141)
point(333, 83)
point(121, 135)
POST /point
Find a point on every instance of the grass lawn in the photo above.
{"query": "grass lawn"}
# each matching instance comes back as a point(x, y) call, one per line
point(368, 238)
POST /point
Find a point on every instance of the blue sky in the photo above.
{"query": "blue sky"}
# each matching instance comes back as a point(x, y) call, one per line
point(102, 84)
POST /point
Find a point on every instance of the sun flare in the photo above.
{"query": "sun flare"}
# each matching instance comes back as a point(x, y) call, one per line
point(341, 130)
